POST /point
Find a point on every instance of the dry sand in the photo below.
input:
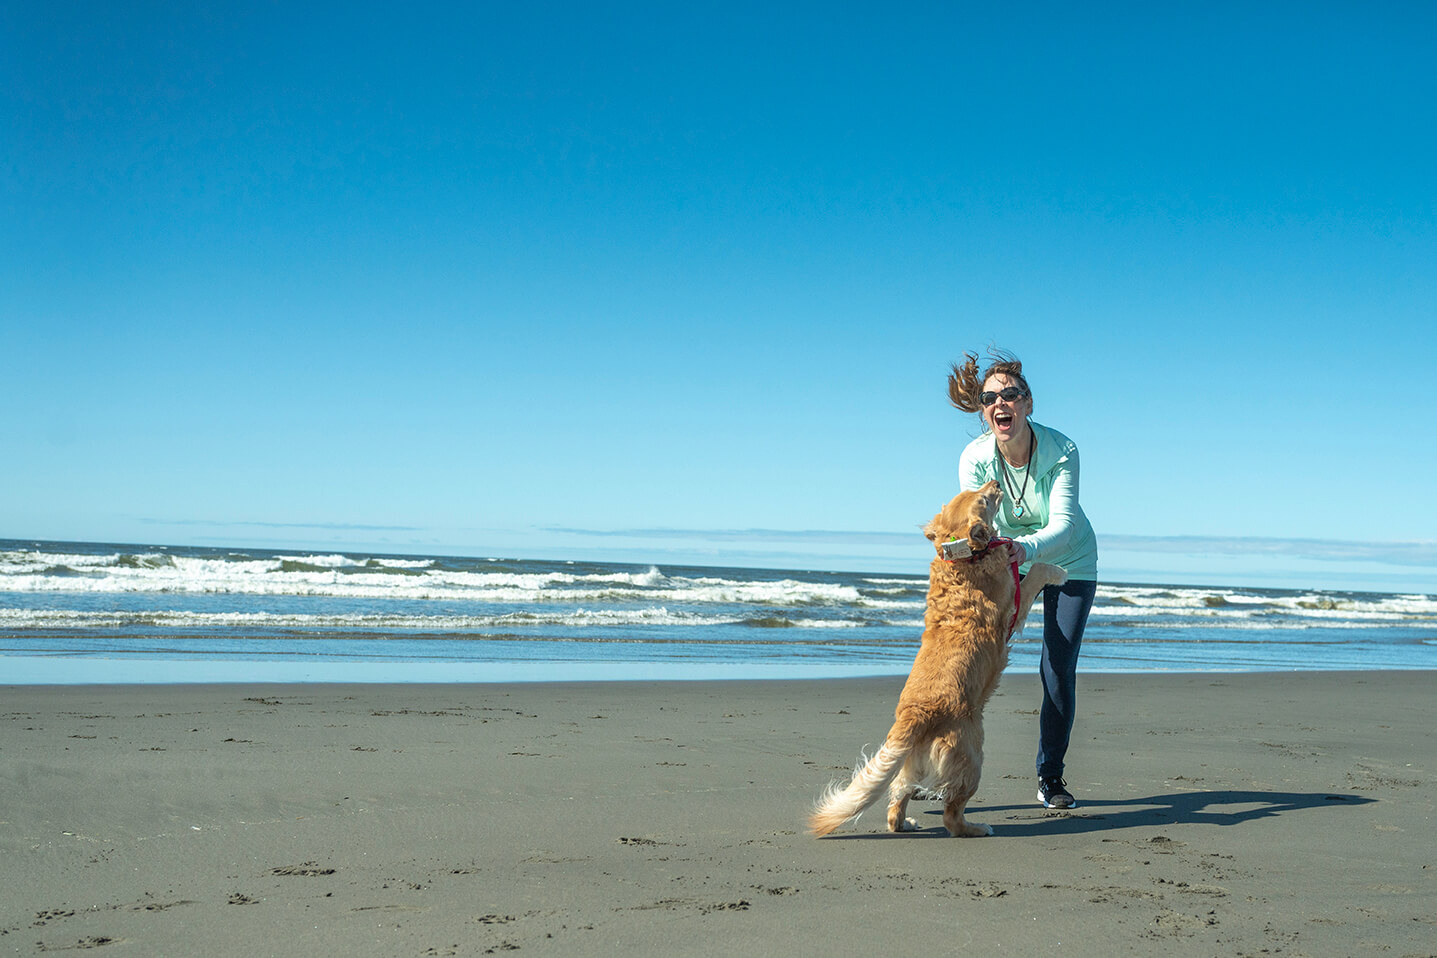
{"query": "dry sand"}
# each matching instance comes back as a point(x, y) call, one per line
point(1280, 814)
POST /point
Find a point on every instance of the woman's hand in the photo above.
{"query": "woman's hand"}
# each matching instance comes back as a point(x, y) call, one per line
point(1017, 555)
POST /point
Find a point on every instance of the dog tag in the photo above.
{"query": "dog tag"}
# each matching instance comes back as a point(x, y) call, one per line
point(957, 549)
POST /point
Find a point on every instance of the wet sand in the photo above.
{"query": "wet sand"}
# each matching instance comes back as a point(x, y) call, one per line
point(1258, 814)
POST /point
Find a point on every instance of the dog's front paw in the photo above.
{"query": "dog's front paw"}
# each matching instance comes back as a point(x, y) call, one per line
point(1048, 573)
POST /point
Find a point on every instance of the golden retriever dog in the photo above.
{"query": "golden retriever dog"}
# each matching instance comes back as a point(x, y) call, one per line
point(975, 606)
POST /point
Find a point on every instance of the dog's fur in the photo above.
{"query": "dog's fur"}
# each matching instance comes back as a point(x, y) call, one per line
point(937, 733)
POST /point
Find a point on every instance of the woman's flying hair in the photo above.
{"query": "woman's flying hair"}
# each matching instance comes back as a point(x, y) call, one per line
point(965, 385)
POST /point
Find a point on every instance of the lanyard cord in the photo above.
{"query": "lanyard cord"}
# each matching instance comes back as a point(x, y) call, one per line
point(1027, 470)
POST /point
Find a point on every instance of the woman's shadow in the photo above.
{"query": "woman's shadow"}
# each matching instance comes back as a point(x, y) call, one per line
point(1216, 807)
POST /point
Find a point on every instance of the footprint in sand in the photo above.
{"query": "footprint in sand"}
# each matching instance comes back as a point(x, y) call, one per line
point(306, 870)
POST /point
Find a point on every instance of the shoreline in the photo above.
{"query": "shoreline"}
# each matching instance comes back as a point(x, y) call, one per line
point(1221, 813)
point(49, 671)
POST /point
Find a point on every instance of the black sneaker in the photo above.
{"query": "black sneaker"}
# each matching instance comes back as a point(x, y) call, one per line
point(1053, 794)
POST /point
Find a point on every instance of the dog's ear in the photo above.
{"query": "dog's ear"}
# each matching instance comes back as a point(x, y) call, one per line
point(980, 535)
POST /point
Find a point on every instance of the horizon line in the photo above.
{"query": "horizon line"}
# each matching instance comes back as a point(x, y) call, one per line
point(1412, 552)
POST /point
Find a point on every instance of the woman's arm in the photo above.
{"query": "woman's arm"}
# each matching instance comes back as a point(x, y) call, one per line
point(1053, 538)
point(971, 474)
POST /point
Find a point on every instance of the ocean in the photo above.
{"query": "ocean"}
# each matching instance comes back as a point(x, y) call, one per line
point(74, 613)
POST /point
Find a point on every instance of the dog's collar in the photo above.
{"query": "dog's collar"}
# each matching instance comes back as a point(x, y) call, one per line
point(1017, 576)
point(970, 555)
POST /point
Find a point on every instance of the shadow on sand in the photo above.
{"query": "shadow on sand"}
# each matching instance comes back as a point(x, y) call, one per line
point(1219, 807)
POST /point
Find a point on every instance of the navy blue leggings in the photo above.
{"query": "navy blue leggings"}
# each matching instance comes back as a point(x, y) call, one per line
point(1065, 615)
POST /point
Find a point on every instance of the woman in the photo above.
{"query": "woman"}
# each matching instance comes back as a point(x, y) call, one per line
point(1038, 470)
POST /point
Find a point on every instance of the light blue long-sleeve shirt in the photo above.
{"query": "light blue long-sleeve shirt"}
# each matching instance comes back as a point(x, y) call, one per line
point(1053, 527)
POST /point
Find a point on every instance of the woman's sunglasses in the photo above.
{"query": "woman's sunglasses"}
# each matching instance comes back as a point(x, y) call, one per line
point(1007, 394)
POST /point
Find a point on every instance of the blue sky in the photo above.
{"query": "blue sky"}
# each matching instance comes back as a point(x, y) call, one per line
point(662, 283)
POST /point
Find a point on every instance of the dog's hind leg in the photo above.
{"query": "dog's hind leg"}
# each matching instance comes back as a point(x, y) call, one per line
point(964, 767)
point(904, 787)
point(957, 825)
point(900, 793)
point(898, 820)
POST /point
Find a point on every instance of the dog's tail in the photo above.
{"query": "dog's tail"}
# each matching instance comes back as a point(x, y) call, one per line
point(841, 803)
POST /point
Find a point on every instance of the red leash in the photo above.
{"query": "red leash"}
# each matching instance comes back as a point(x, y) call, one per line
point(1017, 586)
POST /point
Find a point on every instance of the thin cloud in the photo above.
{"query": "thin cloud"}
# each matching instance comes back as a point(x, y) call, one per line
point(746, 535)
point(254, 524)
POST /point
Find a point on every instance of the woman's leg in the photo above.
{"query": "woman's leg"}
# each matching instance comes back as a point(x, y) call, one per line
point(1065, 614)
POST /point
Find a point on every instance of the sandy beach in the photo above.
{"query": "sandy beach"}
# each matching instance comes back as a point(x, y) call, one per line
point(1222, 814)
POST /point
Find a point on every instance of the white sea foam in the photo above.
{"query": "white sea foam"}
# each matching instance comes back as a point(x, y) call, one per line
point(362, 622)
point(576, 595)
point(1263, 608)
point(375, 623)
point(345, 577)
point(84, 601)
point(893, 590)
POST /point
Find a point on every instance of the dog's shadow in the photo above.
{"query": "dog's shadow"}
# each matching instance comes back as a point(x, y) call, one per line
point(1218, 807)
